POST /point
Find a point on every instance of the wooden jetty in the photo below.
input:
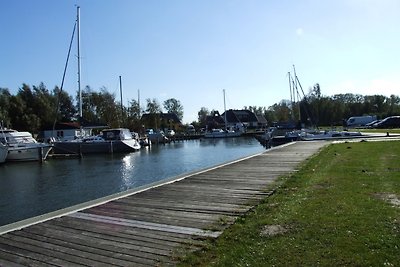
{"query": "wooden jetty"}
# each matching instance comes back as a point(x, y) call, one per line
point(150, 226)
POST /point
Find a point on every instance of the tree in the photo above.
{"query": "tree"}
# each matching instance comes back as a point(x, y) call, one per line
point(66, 108)
point(154, 110)
point(5, 98)
point(202, 115)
point(174, 106)
point(101, 107)
point(134, 113)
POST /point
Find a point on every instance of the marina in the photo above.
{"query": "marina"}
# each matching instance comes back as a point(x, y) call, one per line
point(151, 226)
point(29, 189)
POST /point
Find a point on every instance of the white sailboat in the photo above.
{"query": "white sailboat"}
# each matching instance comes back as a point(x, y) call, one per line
point(109, 141)
point(222, 133)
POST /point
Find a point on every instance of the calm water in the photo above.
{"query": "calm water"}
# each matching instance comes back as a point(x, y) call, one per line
point(30, 189)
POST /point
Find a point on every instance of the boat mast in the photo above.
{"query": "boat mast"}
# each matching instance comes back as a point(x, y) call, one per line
point(295, 86)
point(223, 90)
point(120, 91)
point(122, 106)
point(79, 60)
point(291, 96)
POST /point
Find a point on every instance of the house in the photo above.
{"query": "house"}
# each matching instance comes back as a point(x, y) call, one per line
point(245, 117)
point(236, 119)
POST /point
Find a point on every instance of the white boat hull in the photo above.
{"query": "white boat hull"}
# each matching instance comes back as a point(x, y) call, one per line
point(222, 134)
point(37, 152)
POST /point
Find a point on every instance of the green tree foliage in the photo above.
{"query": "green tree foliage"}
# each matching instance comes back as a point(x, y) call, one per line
point(173, 105)
point(134, 114)
point(101, 107)
point(153, 109)
point(202, 116)
point(66, 109)
point(5, 97)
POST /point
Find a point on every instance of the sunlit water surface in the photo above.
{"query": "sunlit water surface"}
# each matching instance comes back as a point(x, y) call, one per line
point(30, 189)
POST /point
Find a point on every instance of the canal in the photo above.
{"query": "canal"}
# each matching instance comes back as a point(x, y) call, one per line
point(30, 189)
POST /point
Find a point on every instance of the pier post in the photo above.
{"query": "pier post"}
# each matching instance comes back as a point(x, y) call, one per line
point(41, 154)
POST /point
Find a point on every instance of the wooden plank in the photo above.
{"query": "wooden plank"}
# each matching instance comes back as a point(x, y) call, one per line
point(146, 225)
point(27, 255)
point(109, 252)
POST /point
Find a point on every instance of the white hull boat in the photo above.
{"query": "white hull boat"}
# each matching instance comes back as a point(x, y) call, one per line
point(21, 146)
point(219, 133)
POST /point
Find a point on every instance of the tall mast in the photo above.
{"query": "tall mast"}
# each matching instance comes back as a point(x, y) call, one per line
point(138, 93)
point(291, 96)
point(224, 109)
point(79, 60)
point(120, 91)
point(295, 85)
point(122, 106)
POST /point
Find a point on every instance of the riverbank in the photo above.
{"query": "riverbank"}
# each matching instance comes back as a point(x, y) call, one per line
point(341, 208)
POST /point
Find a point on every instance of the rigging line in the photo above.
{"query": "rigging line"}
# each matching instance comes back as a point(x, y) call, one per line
point(63, 78)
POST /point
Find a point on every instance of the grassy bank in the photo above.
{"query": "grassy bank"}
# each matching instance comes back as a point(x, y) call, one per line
point(341, 209)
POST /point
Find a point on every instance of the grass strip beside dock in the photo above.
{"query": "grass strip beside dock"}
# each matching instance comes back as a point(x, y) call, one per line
point(341, 209)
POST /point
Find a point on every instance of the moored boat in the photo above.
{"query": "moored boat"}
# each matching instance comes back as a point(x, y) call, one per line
point(109, 141)
point(21, 146)
point(219, 133)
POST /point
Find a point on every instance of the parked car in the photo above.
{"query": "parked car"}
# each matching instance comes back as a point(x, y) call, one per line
point(371, 124)
point(359, 121)
point(389, 122)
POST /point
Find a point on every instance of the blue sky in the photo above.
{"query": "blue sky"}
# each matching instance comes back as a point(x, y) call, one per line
point(193, 49)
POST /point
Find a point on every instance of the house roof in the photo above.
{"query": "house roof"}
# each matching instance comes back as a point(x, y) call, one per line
point(238, 116)
point(261, 119)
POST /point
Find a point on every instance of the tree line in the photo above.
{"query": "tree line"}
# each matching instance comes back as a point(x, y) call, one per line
point(37, 108)
point(315, 109)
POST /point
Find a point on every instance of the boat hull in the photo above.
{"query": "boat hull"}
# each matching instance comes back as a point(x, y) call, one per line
point(104, 147)
point(28, 153)
point(222, 134)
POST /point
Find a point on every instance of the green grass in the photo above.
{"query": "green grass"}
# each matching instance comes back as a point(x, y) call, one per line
point(394, 131)
point(333, 210)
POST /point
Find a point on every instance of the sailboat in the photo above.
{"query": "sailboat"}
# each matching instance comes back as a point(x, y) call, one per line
point(222, 133)
point(109, 141)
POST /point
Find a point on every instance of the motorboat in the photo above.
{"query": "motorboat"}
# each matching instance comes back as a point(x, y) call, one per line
point(157, 138)
point(3, 153)
point(108, 141)
point(328, 135)
point(219, 133)
point(21, 146)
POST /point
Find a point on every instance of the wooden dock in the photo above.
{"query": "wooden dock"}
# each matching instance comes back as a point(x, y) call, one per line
point(150, 227)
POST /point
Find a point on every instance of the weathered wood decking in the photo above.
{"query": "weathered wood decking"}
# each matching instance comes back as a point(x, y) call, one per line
point(152, 227)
